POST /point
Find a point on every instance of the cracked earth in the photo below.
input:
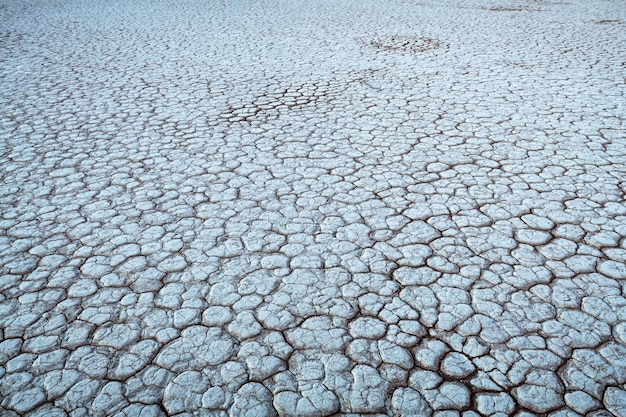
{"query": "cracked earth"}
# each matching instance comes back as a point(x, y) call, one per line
point(312, 208)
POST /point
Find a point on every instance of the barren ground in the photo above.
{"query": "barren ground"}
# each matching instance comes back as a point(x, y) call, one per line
point(312, 208)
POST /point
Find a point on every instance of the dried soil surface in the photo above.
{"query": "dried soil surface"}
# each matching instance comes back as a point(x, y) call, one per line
point(312, 208)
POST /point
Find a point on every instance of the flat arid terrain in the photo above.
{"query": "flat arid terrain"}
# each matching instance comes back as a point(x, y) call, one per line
point(311, 208)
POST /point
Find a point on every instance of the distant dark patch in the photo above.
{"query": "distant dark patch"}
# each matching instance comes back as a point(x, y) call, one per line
point(510, 9)
point(10, 36)
point(608, 22)
point(275, 100)
point(405, 43)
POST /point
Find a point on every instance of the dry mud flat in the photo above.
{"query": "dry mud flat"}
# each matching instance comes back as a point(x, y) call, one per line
point(312, 208)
